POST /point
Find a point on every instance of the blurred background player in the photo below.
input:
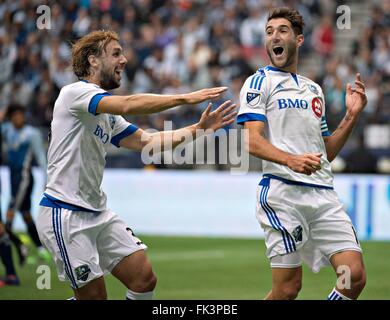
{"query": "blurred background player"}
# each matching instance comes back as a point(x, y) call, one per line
point(5, 244)
point(10, 277)
point(22, 144)
point(85, 238)
point(302, 217)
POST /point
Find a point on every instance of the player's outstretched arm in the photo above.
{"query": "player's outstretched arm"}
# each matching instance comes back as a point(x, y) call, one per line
point(261, 148)
point(146, 103)
point(166, 140)
point(355, 101)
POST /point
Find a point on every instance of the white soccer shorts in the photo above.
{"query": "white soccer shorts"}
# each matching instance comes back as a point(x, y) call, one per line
point(306, 220)
point(85, 245)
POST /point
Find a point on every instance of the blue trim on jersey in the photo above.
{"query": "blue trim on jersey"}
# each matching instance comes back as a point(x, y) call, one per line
point(255, 86)
point(326, 133)
point(296, 183)
point(256, 82)
point(82, 80)
point(274, 69)
point(280, 70)
point(251, 117)
point(252, 81)
point(95, 101)
point(273, 218)
point(51, 202)
point(60, 242)
point(261, 71)
point(261, 81)
point(128, 131)
point(295, 78)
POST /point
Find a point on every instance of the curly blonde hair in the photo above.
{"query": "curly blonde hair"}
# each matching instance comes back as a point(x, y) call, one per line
point(91, 44)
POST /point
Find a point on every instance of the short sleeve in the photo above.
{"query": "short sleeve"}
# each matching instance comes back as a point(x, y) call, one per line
point(121, 130)
point(86, 97)
point(253, 99)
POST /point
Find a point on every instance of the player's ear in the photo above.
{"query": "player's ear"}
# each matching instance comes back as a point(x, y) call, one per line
point(92, 61)
point(300, 40)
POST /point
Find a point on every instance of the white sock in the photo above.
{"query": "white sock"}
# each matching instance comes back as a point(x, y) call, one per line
point(335, 295)
point(71, 298)
point(131, 295)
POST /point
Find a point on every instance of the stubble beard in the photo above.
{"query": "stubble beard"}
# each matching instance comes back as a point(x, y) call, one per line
point(291, 51)
point(108, 81)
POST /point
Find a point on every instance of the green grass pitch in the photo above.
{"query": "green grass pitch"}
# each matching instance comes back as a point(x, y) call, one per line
point(214, 268)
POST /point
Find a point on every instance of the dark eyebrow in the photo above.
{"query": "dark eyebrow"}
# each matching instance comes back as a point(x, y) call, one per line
point(281, 26)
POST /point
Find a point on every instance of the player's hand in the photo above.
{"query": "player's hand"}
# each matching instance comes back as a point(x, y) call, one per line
point(222, 116)
point(355, 98)
point(307, 163)
point(204, 94)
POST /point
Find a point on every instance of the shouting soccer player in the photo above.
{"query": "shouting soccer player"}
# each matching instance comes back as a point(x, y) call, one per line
point(86, 239)
point(301, 215)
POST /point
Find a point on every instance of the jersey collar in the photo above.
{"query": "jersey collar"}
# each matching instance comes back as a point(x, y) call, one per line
point(280, 70)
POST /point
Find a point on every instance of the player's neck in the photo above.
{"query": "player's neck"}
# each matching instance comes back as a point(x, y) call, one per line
point(291, 69)
point(92, 79)
point(18, 127)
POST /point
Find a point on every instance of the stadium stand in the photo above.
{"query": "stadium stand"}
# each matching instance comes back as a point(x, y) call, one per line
point(177, 46)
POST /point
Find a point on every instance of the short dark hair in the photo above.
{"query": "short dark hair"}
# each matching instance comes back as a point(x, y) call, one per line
point(12, 108)
point(291, 15)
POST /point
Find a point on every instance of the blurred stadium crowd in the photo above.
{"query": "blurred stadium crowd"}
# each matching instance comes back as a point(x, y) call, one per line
point(177, 46)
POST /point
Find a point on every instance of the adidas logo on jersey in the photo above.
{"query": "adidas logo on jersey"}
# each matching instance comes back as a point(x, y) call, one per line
point(279, 87)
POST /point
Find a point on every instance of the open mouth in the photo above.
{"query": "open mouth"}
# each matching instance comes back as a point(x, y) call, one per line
point(278, 51)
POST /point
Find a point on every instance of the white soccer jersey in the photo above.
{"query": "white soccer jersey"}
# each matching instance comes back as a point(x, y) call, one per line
point(77, 150)
point(293, 108)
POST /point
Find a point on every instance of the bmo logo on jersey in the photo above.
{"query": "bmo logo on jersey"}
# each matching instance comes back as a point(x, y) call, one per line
point(101, 134)
point(290, 103)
